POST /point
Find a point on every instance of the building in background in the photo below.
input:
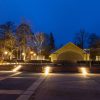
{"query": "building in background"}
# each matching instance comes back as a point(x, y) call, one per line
point(71, 53)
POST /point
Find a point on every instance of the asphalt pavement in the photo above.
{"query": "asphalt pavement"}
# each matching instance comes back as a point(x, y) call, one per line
point(69, 87)
point(14, 84)
point(34, 86)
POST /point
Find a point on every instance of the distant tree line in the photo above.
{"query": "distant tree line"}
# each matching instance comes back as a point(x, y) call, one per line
point(16, 41)
point(89, 41)
point(19, 40)
point(85, 40)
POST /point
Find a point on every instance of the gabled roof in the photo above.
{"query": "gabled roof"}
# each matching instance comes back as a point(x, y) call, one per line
point(68, 46)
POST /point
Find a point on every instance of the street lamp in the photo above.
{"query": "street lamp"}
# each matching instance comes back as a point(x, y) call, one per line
point(90, 60)
point(5, 54)
point(33, 53)
point(23, 54)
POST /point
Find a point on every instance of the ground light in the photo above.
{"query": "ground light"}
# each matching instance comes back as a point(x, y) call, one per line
point(84, 71)
point(18, 67)
point(47, 70)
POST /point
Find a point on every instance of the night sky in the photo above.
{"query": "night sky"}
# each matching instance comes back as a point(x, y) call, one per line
point(62, 17)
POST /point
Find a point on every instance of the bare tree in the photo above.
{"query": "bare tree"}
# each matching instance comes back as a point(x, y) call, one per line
point(94, 41)
point(7, 37)
point(22, 33)
point(94, 45)
point(38, 40)
point(81, 38)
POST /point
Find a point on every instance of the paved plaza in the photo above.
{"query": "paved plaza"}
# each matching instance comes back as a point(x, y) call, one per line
point(30, 86)
point(69, 87)
point(13, 85)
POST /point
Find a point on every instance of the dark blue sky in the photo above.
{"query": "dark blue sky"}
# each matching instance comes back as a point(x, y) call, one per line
point(62, 17)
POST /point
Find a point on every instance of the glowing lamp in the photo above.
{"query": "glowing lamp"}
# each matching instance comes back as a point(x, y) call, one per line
point(47, 70)
point(5, 52)
point(34, 54)
point(17, 68)
point(23, 54)
point(84, 71)
point(31, 52)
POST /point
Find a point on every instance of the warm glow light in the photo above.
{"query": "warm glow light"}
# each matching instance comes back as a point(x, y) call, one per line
point(84, 71)
point(34, 54)
point(17, 68)
point(47, 70)
point(23, 54)
point(5, 52)
point(31, 52)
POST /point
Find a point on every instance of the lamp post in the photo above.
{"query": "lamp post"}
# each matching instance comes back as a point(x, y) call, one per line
point(31, 53)
point(5, 54)
point(23, 54)
point(90, 60)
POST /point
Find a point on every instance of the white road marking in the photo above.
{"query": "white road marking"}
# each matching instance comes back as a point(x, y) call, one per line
point(11, 91)
point(9, 76)
point(31, 90)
